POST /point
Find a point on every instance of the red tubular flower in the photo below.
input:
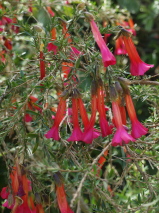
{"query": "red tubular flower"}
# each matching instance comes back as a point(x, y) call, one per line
point(83, 113)
point(61, 194)
point(76, 133)
point(39, 208)
point(137, 128)
point(107, 57)
point(101, 162)
point(61, 110)
point(122, 111)
point(50, 11)
point(121, 136)
point(66, 68)
point(42, 65)
point(89, 132)
point(137, 66)
point(7, 43)
point(105, 128)
point(51, 46)
point(65, 32)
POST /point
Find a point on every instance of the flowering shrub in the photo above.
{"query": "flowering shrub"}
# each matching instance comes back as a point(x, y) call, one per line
point(71, 137)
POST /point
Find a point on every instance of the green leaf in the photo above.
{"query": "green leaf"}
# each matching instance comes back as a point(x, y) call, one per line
point(36, 144)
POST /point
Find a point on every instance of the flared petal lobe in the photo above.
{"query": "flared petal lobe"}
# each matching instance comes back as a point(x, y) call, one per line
point(121, 136)
point(137, 128)
point(53, 133)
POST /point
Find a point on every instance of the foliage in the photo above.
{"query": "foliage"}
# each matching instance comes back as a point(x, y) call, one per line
point(127, 180)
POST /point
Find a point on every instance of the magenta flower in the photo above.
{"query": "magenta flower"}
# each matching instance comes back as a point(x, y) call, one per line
point(121, 137)
point(74, 53)
point(89, 132)
point(107, 57)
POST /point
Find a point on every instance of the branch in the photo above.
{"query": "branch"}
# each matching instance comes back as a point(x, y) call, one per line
point(77, 193)
point(144, 82)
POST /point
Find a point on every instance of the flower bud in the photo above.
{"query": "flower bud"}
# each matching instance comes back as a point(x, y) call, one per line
point(58, 178)
point(89, 16)
point(81, 6)
point(124, 83)
point(37, 198)
point(113, 93)
point(94, 87)
point(118, 88)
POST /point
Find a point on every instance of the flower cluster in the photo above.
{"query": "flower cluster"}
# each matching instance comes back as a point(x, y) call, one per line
point(18, 194)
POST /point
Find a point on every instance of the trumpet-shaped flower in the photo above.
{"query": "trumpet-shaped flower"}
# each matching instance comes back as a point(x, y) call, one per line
point(105, 128)
point(61, 110)
point(61, 194)
point(137, 66)
point(76, 133)
point(89, 132)
point(107, 57)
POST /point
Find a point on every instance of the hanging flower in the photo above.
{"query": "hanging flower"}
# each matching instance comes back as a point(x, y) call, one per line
point(105, 128)
point(137, 128)
point(76, 133)
point(121, 136)
point(61, 110)
point(107, 57)
point(137, 66)
point(61, 194)
point(50, 11)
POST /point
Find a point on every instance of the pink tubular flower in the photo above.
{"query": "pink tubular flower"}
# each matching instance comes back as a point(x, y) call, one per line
point(121, 136)
point(61, 110)
point(137, 66)
point(137, 128)
point(107, 57)
point(76, 133)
